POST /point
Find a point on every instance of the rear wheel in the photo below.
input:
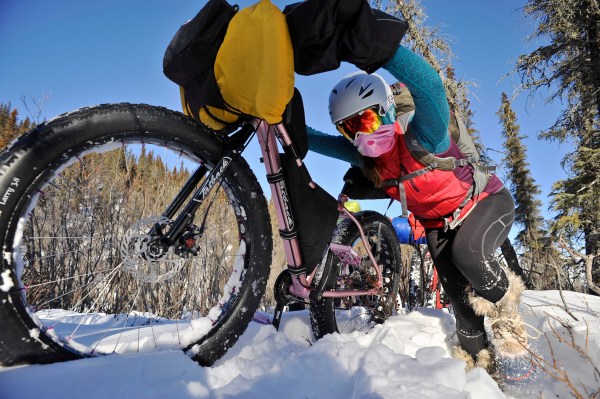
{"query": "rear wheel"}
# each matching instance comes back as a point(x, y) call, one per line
point(353, 313)
point(85, 271)
point(419, 274)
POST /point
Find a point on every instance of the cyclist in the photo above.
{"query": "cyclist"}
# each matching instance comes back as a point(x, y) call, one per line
point(463, 230)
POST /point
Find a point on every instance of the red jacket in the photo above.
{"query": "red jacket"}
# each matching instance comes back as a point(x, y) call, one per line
point(433, 195)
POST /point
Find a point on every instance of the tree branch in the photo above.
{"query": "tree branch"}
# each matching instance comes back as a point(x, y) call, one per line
point(588, 259)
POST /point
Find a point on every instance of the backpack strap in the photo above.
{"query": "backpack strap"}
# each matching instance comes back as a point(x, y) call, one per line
point(481, 173)
point(455, 126)
point(428, 159)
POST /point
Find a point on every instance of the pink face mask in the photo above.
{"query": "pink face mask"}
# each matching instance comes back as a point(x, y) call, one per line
point(377, 143)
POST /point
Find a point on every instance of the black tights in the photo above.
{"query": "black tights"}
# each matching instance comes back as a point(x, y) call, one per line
point(465, 256)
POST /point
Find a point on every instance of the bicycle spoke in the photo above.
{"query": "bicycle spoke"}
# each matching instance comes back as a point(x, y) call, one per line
point(109, 277)
point(128, 313)
point(66, 278)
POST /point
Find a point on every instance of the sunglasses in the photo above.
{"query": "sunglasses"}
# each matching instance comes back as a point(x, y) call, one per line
point(365, 122)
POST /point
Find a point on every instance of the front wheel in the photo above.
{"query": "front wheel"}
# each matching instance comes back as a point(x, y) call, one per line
point(352, 313)
point(84, 271)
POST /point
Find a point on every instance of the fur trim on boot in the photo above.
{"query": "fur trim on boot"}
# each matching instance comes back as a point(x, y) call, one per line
point(484, 359)
point(461, 354)
point(509, 335)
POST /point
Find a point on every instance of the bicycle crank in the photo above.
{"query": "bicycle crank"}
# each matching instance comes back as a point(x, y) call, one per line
point(282, 296)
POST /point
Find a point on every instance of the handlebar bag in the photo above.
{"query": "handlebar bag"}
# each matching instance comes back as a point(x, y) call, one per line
point(254, 67)
point(235, 65)
point(325, 33)
point(190, 57)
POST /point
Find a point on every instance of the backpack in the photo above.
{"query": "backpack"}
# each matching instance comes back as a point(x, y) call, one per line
point(404, 106)
point(460, 136)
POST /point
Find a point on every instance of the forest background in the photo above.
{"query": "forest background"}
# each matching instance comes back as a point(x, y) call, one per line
point(552, 167)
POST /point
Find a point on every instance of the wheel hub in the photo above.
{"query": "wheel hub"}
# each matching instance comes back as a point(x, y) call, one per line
point(145, 256)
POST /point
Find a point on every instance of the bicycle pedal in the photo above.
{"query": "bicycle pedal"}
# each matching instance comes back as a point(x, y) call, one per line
point(346, 254)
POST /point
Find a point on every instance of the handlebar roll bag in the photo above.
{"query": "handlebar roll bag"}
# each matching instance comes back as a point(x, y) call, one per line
point(232, 65)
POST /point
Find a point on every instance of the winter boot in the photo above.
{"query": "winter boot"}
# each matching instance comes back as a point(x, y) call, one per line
point(485, 360)
point(509, 338)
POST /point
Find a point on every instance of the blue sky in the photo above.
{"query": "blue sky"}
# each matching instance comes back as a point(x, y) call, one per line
point(80, 53)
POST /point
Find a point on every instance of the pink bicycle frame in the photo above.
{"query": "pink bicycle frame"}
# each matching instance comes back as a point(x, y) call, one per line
point(268, 135)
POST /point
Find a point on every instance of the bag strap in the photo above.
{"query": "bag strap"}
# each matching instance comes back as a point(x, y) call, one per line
point(481, 175)
point(428, 159)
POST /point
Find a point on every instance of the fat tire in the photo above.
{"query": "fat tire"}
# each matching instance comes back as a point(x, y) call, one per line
point(36, 155)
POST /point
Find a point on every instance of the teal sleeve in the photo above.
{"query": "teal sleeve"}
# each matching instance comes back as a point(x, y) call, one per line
point(333, 146)
point(432, 113)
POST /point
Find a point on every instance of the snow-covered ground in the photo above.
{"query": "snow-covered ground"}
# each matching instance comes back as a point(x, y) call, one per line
point(406, 357)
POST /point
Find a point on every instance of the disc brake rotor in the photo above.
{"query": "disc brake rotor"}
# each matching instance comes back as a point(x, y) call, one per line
point(145, 257)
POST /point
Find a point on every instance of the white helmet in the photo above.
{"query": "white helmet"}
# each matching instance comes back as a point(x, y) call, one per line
point(359, 91)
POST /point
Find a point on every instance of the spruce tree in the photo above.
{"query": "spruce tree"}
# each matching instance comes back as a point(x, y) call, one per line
point(524, 190)
point(568, 66)
point(420, 38)
point(522, 184)
point(10, 126)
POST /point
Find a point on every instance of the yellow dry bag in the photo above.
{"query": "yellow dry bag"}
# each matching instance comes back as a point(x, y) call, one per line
point(253, 69)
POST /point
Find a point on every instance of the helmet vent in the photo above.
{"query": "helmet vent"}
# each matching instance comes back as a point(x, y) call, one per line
point(357, 92)
point(363, 89)
point(368, 94)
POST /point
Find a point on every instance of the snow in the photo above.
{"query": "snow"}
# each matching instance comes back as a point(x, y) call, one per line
point(406, 357)
point(7, 282)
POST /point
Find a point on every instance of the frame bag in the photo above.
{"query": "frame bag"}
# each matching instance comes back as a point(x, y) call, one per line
point(315, 212)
